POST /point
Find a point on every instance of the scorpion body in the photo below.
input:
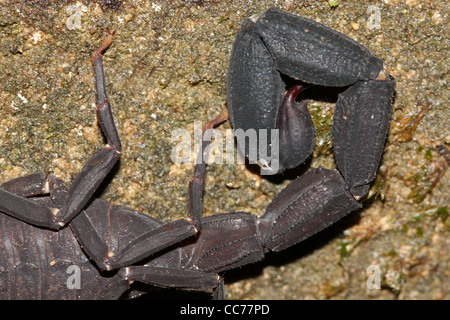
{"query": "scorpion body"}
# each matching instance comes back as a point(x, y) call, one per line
point(48, 227)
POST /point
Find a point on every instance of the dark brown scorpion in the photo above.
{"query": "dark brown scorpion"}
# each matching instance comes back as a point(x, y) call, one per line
point(48, 229)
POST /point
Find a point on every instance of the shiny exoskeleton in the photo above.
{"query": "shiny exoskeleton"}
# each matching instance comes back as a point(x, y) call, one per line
point(60, 243)
point(48, 227)
point(276, 44)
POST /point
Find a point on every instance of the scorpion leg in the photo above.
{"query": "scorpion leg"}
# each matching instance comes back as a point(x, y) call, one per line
point(226, 241)
point(99, 165)
point(28, 186)
point(162, 277)
point(144, 235)
point(197, 182)
point(93, 224)
point(91, 175)
point(149, 236)
point(170, 233)
point(162, 271)
point(13, 201)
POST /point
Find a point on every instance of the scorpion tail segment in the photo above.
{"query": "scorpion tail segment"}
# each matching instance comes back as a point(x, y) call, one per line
point(227, 241)
point(361, 123)
point(307, 205)
point(326, 56)
point(255, 89)
point(296, 131)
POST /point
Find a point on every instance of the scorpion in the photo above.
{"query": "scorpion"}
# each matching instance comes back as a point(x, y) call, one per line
point(46, 226)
